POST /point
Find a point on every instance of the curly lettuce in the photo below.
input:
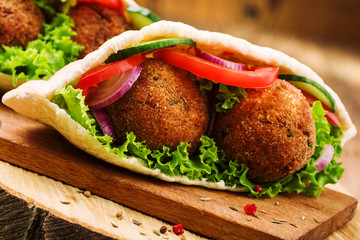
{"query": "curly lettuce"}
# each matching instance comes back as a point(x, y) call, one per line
point(227, 96)
point(210, 163)
point(45, 55)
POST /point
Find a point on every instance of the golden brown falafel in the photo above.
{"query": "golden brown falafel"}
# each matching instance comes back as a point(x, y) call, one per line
point(96, 23)
point(20, 22)
point(163, 108)
point(271, 131)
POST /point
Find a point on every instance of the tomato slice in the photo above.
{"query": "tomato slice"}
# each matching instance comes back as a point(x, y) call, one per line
point(90, 79)
point(330, 116)
point(115, 4)
point(256, 77)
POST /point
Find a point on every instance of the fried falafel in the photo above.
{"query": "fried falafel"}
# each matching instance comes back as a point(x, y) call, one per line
point(20, 22)
point(100, 24)
point(271, 131)
point(163, 108)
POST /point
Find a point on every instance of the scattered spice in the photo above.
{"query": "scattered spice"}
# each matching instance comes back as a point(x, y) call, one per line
point(234, 208)
point(205, 199)
point(316, 220)
point(256, 215)
point(163, 229)
point(156, 232)
point(257, 188)
point(119, 215)
point(142, 233)
point(136, 222)
point(87, 193)
point(282, 220)
point(183, 237)
point(114, 225)
point(293, 224)
point(278, 221)
point(248, 218)
point(277, 203)
point(250, 209)
point(178, 229)
point(65, 202)
point(263, 211)
point(303, 218)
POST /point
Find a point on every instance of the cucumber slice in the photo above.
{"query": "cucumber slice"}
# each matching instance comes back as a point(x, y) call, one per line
point(141, 16)
point(128, 52)
point(311, 87)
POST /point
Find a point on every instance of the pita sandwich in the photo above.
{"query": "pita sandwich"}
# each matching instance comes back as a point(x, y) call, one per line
point(59, 101)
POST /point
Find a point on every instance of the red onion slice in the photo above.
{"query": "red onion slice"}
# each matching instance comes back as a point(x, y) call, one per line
point(325, 157)
point(104, 122)
point(113, 88)
point(225, 63)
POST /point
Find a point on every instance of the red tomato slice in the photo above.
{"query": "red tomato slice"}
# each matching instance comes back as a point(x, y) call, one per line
point(90, 79)
point(330, 116)
point(115, 4)
point(257, 77)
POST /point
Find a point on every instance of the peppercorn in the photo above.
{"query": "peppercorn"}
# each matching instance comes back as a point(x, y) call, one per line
point(163, 229)
point(257, 188)
point(178, 229)
point(250, 209)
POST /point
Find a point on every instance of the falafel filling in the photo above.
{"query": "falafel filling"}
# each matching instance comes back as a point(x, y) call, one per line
point(262, 138)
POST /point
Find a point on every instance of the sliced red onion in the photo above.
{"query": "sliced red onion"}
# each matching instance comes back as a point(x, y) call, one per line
point(113, 88)
point(325, 157)
point(104, 122)
point(225, 63)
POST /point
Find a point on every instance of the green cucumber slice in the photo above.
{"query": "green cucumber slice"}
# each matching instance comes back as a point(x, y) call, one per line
point(311, 87)
point(149, 46)
point(141, 16)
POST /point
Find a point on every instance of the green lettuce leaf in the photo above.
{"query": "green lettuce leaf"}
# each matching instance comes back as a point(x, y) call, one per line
point(210, 163)
point(73, 102)
point(51, 7)
point(227, 96)
point(43, 56)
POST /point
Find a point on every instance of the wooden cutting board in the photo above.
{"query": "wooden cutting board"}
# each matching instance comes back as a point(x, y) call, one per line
point(39, 148)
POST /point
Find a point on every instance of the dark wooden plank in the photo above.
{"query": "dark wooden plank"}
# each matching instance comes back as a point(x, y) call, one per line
point(39, 148)
point(19, 220)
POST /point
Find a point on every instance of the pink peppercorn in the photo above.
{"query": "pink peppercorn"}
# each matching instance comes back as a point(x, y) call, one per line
point(178, 229)
point(250, 209)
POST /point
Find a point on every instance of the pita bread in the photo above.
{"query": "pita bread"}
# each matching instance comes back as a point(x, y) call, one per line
point(32, 98)
point(6, 80)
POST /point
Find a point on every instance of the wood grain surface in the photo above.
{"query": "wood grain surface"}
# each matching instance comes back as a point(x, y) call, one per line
point(33, 206)
point(41, 149)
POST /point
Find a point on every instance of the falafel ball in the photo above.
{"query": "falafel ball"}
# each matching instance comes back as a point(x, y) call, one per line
point(96, 23)
point(271, 131)
point(164, 107)
point(20, 22)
